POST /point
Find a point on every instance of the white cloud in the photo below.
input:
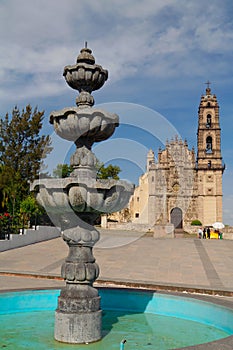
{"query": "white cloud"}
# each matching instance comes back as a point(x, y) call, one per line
point(130, 38)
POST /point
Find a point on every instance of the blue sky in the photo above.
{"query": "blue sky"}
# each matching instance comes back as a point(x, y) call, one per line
point(159, 54)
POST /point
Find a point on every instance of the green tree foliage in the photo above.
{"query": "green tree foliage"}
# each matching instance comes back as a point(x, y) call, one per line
point(5, 225)
point(22, 150)
point(29, 208)
point(108, 172)
point(11, 189)
point(196, 223)
point(62, 170)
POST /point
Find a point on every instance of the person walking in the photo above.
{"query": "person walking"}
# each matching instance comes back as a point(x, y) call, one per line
point(208, 232)
point(200, 233)
point(204, 233)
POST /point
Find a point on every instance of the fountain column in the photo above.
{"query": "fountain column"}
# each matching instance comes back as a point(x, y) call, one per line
point(78, 315)
point(74, 203)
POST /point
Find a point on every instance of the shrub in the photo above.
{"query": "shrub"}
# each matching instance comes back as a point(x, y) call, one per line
point(196, 223)
point(5, 224)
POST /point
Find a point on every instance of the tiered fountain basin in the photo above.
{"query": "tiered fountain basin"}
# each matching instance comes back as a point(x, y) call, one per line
point(147, 320)
point(100, 196)
point(73, 123)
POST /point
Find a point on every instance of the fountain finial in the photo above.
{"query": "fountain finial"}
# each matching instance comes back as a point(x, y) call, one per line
point(85, 76)
point(86, 56)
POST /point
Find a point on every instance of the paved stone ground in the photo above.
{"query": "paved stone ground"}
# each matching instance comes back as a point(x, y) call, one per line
point(128, 257)
point(185, 264)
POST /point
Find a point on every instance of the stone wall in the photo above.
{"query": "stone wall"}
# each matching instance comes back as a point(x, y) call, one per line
point(192, 229)
point(164, 231)
point(30, 236)
point(129, 226)
point(228, 235)
point(228, 232)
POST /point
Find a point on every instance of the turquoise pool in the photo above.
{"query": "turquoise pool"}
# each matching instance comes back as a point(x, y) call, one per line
point(146, 320)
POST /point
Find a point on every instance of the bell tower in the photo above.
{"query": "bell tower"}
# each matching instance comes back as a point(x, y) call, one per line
point(150, 159)
point(209, 160)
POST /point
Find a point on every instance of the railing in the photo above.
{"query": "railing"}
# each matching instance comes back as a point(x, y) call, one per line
point(4, 235)
point(30, 236)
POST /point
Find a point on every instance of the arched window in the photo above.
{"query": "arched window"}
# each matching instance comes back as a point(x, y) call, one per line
point(209, 144)
point(208, 121)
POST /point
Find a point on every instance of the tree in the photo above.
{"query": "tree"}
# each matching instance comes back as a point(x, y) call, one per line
point(21, 146)
point(11, 189)
point(109, 172)
point(29, 208)
point(62, 170)
point(22, 150)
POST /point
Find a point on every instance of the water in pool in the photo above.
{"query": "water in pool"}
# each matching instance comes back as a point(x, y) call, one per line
point(33, 329)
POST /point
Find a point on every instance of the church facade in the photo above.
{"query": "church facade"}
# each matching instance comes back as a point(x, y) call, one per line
point(181, 186)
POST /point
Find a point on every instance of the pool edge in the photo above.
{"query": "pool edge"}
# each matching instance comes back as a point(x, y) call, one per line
point(221, 344)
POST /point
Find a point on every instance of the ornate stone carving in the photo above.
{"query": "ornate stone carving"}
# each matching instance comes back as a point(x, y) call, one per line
point(73, 203)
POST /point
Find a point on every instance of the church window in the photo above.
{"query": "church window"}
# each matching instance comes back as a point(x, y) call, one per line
point(208, 121)
point(176, 187)
point(137, 199)
point(209, 164)
point(136, 215)
point(209, 144)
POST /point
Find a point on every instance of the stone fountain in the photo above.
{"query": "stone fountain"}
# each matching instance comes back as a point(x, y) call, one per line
point(74, 203)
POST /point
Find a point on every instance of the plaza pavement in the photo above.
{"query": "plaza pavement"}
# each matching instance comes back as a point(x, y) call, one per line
point(131, 258)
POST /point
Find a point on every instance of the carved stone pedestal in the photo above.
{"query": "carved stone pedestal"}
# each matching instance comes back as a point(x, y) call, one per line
point(78, 328)
point(78, 318)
